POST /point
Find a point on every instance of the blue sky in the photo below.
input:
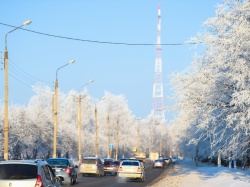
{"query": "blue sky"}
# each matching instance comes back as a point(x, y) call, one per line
point(119, 69)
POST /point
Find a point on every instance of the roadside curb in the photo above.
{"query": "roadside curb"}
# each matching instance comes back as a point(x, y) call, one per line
point(162, 176)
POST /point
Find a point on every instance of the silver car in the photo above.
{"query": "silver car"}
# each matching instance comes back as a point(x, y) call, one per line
point(131, 169)
point(27, 173)
point(91, 166)
point(65, 169)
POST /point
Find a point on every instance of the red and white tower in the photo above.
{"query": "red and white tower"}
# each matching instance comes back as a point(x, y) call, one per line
point(157, 99)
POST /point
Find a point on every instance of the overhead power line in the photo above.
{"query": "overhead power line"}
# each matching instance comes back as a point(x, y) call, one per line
point(98, 41)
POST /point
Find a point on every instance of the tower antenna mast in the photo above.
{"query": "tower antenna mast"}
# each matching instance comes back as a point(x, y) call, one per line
point(157, 98)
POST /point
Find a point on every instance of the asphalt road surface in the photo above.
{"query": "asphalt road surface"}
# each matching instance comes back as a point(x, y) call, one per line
point(151, 176)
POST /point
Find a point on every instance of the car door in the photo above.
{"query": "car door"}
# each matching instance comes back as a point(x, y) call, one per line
point(50, 177)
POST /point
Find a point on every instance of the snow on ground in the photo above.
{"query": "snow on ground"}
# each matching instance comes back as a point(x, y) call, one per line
point(186, 174)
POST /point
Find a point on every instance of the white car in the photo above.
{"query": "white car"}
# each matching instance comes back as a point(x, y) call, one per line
point(131, 169)
point(27, 173)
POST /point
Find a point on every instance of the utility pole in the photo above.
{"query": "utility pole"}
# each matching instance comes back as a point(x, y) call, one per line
point(138, 136)
point(117, 140)
point(108, 135)
point(96, 134)
point(79, 128)
point(55, 118)
point(6, 93)
point(160, 144)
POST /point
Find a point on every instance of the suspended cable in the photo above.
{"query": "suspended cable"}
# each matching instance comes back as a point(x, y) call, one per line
point(98, 41)
point(25, 74)
point(19, 80)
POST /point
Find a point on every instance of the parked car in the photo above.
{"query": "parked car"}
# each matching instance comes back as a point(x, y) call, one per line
point(27, 173)
point(91, 166)
point(65, 169)
point(159, 163)
point(131, 169)
point(111, 167)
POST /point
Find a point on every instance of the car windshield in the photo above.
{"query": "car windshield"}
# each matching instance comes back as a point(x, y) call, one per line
point(108, 163)
point(18, 171)
point(130, 163)
point(57, 162)
point(158, 160)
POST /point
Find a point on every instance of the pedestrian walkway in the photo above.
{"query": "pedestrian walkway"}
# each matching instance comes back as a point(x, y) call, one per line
point(186, 174)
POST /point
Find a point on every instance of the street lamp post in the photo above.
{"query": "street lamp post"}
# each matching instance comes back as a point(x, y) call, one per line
point(6, 94)
point(80, 121)
point(117, 139)
point(56, 108)
point(108, 135)
point(96, 132)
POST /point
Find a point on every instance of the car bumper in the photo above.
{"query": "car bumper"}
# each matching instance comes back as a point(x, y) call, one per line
point(130, 175)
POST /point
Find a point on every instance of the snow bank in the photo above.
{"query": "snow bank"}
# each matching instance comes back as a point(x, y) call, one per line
point(186, 174)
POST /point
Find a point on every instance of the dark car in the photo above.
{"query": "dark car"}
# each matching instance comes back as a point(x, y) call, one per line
point(65, 169)
point(111, 167)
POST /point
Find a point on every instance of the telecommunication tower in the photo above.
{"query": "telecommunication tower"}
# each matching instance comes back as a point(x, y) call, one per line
point(157, 99)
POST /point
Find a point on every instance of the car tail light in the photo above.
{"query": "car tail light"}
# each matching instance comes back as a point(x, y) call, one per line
point(139, 169)
point(68, 170)
point(120, 168)
point(96, 163)
point(39, 182)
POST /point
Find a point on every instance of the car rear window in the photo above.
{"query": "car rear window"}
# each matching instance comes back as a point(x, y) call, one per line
point(18, 171)
point(58, 162)
point(108, 163)
point(124, 163)
point(88, 161)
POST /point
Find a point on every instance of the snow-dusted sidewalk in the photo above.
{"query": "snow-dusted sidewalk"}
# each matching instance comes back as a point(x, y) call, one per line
point(186, 174)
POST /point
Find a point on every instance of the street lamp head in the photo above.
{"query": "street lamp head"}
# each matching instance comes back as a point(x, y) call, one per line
point(71, 61)
point(27, 22)
point(90, 81)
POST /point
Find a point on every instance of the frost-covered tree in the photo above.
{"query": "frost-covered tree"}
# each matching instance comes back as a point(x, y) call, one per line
point(213, 94)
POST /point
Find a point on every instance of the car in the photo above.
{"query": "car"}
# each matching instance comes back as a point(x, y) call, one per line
point(27, 173)
point(65, 169)
point(159, 163)
point(131, 169)
point(111, 167)
point(91, 166)
point(174, 159)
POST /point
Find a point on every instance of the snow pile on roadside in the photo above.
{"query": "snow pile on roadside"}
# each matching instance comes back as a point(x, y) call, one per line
point(186, 174)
